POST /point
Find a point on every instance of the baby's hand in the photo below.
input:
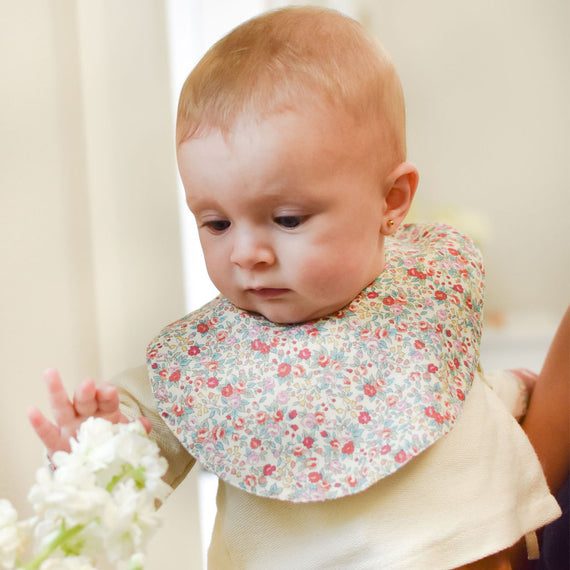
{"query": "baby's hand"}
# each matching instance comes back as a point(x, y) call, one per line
point(88, 400)
point(528, 377)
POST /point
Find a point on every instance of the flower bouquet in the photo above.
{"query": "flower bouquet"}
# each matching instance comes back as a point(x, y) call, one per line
point(95, 508)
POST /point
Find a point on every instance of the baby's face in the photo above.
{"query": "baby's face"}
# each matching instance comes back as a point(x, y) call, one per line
point(289, 211)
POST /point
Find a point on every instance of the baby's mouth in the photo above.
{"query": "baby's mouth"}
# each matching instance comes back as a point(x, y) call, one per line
point(268, 292)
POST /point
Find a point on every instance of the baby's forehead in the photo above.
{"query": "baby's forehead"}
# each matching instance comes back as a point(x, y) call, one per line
point(315, 118)
point(304, 117)
point(288, 153)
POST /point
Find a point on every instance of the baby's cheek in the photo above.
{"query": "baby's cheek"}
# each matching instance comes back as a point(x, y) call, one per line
point(324, 277)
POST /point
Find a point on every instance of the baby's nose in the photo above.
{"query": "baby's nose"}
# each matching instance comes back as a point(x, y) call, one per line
point(250, 249)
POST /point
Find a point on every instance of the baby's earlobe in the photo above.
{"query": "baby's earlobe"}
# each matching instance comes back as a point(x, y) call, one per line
point(388, 227)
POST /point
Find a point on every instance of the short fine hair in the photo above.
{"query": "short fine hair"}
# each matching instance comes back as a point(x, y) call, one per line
point(288, 58)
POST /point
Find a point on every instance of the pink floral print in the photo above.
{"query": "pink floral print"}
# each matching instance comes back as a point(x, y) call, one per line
point(326, 408)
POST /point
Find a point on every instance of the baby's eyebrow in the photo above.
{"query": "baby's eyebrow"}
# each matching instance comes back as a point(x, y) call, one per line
point(201, 202)
point(277, 196)
point(292, 194)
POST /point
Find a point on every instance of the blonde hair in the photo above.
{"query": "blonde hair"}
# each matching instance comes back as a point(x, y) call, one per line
point(289, 57)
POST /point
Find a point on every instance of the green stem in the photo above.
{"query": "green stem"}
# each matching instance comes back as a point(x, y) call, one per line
point(59, 540)
point(128, 471)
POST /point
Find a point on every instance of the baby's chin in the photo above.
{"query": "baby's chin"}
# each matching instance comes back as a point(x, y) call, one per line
point(281, 314)
point(287, 312)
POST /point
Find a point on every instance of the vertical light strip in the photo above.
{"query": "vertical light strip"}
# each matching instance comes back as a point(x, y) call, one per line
point(186, 46)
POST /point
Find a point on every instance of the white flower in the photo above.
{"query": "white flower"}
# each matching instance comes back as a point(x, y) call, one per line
point(129, 521)
point(68, 495)
point(10, 541)
point(97, 509)
point(14, 535)
point(136, 562)
point(68, 563)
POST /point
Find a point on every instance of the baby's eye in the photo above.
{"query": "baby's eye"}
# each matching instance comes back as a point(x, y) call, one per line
point(290, 221)
point(217, 225)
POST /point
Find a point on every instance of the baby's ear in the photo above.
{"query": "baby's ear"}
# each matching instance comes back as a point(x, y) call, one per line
point(402, 184)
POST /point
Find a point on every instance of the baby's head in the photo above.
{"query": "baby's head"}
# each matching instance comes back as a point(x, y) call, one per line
point(291, 148)
point(296, 58)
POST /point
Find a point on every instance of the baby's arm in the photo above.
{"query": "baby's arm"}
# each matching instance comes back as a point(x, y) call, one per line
point(88, 400)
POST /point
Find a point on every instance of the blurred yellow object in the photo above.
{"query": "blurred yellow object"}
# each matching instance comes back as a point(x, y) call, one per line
point(472, 223)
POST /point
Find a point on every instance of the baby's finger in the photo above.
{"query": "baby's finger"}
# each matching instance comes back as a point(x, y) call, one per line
point(147, 424)
point(62, 408)
point(107, 399)
point(48, 433)
point(85, 398)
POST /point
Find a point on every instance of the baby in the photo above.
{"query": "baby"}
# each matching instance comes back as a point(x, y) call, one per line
point(333, 386)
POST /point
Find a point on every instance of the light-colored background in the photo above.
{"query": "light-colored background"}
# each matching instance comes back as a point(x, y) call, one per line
point(91, 257)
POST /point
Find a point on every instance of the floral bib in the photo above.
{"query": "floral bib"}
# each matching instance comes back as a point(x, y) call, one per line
point(326, 408)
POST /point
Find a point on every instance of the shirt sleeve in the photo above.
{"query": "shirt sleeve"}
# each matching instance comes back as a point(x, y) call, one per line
point(510, 389)
point(136, 400)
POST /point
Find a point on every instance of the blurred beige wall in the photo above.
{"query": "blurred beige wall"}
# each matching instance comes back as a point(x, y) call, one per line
point(487, 87)
point(88, 219)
